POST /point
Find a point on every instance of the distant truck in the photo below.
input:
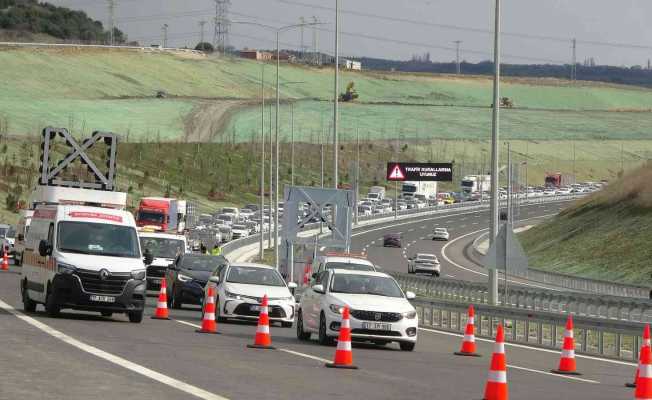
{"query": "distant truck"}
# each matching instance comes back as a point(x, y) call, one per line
point(410, 190)
point(557, 179)
point(161, 214)
point(376, 193)
point(475, 183)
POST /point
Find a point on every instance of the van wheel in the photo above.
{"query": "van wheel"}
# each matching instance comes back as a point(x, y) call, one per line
point(135, 316)
point(29, 305)
point(52, 309)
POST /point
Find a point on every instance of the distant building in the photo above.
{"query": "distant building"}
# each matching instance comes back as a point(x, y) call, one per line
point(285, 57)
point(350, 64)
point(256, 55)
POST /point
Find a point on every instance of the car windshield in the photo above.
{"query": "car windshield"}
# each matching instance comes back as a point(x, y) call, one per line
point(241, 227)
point(150, 217)
point(365, 284)
point(349, 266)
point(201, 263)
point(254, 276)
point(97, 239)
point(162, 247)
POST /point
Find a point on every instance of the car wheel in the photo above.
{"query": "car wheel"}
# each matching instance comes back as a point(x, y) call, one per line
point(52, 309)
point(106, 313)
point(324, 339)
point(135, 316)
point(176, 301)
point(407, 346)
point(301, 334)
point(29, 305)
point(217, 311)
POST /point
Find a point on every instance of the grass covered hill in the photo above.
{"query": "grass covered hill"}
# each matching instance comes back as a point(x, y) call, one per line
point(605, 236)
point(209, 97)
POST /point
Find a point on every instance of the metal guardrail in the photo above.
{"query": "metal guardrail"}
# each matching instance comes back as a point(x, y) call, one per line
point(602, 307)
point(102, 46)
point(593, 336)
point(577, 283)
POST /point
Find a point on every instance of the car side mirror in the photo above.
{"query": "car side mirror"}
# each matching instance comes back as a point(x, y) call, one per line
point(44, 248)
point(318, 289)
point(214, 279)
point(172, 266)
point(148, 257)
point(410, 295)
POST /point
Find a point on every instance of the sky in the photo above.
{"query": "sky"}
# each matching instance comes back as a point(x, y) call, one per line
point(613, 32)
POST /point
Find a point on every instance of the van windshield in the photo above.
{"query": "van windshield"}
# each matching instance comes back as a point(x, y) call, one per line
point(162, 247)
point(97, 239)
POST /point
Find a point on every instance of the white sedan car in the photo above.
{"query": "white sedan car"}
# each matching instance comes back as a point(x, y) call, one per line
point(440, 234)
point(380, 311)
point(426, 263)
point(240, 291)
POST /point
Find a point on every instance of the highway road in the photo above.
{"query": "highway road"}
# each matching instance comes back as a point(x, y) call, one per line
point(82, 355)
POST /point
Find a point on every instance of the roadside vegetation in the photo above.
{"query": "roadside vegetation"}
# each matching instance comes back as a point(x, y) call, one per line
point(605, 236)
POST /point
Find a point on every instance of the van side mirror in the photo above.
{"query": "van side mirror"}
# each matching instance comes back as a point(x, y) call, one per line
point(44, 248)
point(410, 295)
point(292, 285)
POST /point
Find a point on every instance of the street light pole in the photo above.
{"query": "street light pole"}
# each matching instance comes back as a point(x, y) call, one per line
point(493, 221)
point(336, 93)
point(276, 191)
point(292, 144)
point(262, 164)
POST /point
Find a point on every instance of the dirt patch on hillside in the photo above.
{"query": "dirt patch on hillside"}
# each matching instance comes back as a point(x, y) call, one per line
point(209, 119)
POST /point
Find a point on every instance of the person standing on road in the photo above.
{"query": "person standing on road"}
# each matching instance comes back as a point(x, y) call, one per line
point(216, 251)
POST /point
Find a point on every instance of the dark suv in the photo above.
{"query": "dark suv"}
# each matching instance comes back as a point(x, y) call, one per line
point(188, 275)
point(392, 240)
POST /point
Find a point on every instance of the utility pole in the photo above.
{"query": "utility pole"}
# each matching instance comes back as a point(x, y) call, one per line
point(574, 60)
point(457, 56)
point(302, 48)
point(292, 144)
point(357, 172)
point(221, 33)
point(510, 213)
point(262, 160)
point(336, 90)
point(271, 178)
point(315, 43)
point(574, 176)
point(276, 155)
point(201, 34)
point(111, 22)
point(165, 35)
point(495, 126)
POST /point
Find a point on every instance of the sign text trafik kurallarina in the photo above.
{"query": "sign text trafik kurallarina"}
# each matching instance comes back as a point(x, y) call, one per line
point(401, 171)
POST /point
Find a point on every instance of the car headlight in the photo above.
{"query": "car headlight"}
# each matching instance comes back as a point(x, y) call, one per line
point(232, 295)
point(410, 314)
point(64, 268)
point(138, 274)
point(184, 278)
point(336, 308)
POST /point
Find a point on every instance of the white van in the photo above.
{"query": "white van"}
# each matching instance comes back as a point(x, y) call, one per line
point(83, 258)
point(21, 231)
point(165, 248)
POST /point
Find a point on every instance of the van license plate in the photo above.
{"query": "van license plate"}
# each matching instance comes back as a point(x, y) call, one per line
point(376, 326)
point(103, 299)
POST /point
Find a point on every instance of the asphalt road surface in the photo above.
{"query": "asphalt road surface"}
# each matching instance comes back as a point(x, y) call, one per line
point(82, 355)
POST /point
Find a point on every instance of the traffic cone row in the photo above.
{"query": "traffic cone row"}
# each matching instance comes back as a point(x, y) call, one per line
point(262, 340)
point(208, 324)
point(5, 261)
point(468, 343)
point(646, 343)
point(162, 304)
point(567, 362)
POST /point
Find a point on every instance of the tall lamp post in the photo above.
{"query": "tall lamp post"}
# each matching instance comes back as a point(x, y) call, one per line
point(495, 202)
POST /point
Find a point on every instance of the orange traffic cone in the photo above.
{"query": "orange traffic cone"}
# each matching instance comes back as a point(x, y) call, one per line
point(5, 261)
point(567, 361)
point(496, 388)
point(343, 354)
point(644, 380)
point(263, 340)
point(208, 324)
point(162, 304)
point(646, 343)
point(468, 343)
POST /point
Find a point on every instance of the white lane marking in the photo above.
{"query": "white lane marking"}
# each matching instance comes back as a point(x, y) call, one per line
point(296, 353)
point(422, 227)
point(119, 361)
point(422, 238)
point(411, 230)
point(398, 233)
point(373, 242)
point(463, 226)
point(463, 219)
point(443, 254)
point(450, 276)
point(522, 346)
point(475, 223)
point(572, 378)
